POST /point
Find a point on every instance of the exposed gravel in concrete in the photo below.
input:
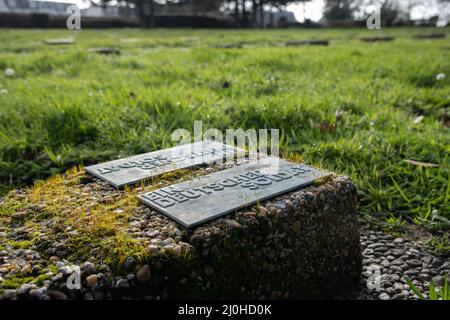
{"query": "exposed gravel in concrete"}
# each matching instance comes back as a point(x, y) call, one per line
point(388, 260)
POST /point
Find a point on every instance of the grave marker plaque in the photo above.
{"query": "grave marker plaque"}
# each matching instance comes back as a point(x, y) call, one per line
point(133, 169)
point(59, 41)
point(202, 199)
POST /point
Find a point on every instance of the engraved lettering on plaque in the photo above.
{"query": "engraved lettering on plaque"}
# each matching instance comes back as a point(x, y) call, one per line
point(211, 196)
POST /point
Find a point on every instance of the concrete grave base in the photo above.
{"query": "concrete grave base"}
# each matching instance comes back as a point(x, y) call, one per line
point(304, 244)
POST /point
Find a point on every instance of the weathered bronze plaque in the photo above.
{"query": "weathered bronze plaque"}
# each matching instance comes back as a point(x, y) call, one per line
point(202, 199)
point(133, 169)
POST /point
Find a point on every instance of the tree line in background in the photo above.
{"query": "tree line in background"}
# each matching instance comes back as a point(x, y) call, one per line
point(392, 12)
point(247, 12)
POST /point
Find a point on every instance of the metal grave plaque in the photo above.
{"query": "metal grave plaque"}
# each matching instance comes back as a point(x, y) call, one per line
point(202, 199)
point(133, 169)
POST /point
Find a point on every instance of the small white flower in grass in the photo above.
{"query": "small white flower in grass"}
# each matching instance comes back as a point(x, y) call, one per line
point(440, 76)
point(9, 72)
point(3, 91)
point(418, 119)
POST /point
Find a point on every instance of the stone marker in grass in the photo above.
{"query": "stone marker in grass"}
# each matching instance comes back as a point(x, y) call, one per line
point(105, 50)
point(430, 36)
point(294, 43)
point(378, 39)
point(61, 41)
point(230, 46)
point(133, 169)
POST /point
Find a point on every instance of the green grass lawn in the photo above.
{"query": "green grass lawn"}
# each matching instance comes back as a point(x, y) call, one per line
point(65, 106)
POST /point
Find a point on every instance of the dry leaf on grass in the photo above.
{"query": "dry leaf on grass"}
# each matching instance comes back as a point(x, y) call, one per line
point(326, 127)
point(446, 122)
